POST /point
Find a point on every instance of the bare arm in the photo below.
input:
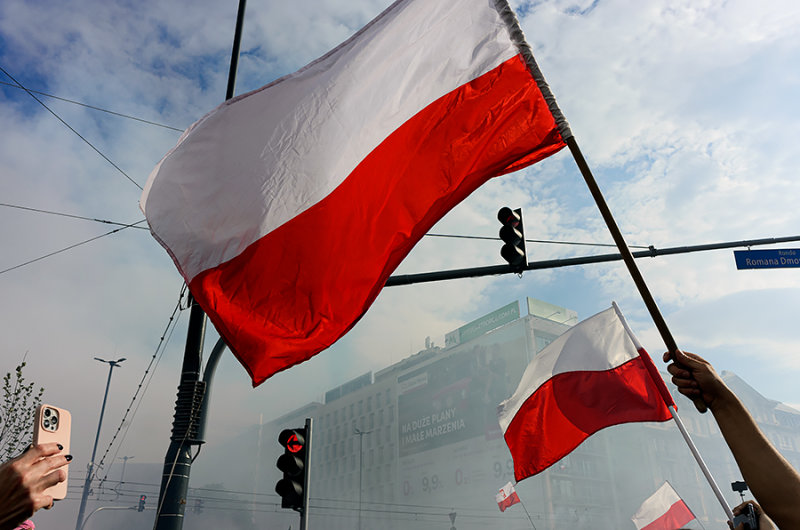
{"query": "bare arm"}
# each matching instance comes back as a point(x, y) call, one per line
point(773, 482)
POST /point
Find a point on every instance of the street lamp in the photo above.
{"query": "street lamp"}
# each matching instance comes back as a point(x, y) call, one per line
point(90, 466)
point(360, 434)
point(122, 476)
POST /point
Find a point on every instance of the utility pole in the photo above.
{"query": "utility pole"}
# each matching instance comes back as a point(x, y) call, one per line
point(186, 426)
point(90, 467)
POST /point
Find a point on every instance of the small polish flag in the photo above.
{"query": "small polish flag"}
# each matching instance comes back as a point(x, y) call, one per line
point(664, 510)
point(506, 497)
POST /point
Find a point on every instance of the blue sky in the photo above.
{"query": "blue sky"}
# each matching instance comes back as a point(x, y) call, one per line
point(687, 112)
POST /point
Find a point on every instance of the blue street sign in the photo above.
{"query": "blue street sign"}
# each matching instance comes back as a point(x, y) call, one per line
point(767, 259)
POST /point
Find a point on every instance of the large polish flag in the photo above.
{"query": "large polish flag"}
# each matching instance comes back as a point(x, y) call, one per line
point(593, 376)
point(287, 208)
point(663, 510)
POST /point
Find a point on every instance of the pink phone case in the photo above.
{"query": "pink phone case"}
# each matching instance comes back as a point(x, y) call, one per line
point(46, 430)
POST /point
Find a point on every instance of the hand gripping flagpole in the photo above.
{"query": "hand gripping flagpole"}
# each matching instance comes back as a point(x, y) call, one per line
point(678, 421)
point(525, 50)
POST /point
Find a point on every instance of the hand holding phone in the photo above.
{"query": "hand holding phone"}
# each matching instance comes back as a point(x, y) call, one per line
point(26, 479)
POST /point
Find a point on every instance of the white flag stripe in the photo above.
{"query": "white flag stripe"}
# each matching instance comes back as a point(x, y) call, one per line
point(277, 147)
point(598, 343)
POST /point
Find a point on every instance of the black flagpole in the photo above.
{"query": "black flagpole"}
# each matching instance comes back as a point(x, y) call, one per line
point(178, 460)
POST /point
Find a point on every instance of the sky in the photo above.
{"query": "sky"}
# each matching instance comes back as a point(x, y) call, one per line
point(686, 110)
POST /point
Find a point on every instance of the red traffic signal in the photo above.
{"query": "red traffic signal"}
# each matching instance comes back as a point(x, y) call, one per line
point(294, 465)
point(513, 235)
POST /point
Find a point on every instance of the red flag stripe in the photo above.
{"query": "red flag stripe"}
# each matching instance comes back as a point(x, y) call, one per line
point(572, 406)
point(267, 302)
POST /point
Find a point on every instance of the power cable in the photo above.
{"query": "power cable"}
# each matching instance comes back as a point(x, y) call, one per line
point(453, 236)
point(37, 210)
point(121, 115)
point(71, 128)
point(156, 358)
point(71, 246)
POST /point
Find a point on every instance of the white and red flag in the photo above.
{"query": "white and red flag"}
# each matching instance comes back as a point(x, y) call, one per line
point(663, 510)
point(287, 208)
point(593, 376)
point(507, 497)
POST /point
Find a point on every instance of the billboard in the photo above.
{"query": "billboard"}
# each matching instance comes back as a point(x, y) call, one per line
point(449, 440)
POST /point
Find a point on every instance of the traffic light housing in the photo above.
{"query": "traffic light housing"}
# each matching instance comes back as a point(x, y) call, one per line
point(513, 235)
point(294, 464)
point(142, 498)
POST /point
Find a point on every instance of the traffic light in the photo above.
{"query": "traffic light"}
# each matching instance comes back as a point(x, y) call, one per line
point(142, 498)
point(294, 464)
point(198, 505)
point(513, 235)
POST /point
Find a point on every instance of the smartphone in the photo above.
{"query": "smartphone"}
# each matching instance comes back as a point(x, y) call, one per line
point(53, 424)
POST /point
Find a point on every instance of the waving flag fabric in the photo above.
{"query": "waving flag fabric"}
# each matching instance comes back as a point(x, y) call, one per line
point(287, 208)
point(507, 497)
point(663, 510)
point(593, 376)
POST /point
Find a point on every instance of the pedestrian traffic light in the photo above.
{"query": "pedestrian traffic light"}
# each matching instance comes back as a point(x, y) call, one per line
point(142, 498)
point(294, 465)
point(513, 235)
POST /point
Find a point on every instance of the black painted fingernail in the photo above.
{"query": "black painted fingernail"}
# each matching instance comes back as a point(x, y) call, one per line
point(69, 458)
point(60, 447)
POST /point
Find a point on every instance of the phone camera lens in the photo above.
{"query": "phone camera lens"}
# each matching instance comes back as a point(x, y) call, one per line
point(47, 413)
point(46, 424)
point(53, 421)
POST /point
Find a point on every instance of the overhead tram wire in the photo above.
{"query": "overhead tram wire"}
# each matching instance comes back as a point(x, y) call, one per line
point(123, 227)
point(453, 236)
point(119, 114)
point(72, 216)
point(59, 118)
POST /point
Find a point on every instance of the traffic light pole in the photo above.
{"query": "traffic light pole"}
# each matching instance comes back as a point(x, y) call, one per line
point(188, 407)
point(652, 252)
point(306, 478)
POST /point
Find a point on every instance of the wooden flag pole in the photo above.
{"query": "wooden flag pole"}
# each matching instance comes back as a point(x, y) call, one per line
point(627, 257)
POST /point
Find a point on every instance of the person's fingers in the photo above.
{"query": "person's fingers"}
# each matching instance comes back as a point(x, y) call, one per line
point(39, 451)
point(689, 359)
point(42, 501)
point(53, 478)
point(679, 371)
